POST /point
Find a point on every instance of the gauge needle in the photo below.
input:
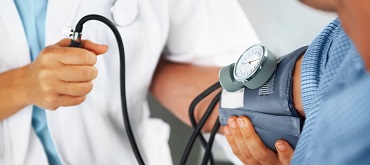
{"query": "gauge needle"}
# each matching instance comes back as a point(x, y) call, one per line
point(252, 61)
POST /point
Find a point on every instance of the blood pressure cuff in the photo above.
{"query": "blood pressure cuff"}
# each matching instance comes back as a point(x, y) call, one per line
point(270, 107)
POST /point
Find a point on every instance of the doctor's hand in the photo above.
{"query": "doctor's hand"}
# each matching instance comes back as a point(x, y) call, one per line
point(250, 149)
point(61, 75)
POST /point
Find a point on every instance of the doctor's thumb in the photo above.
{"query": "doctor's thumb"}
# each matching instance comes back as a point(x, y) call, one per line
point(285, 151)
point(96, 48)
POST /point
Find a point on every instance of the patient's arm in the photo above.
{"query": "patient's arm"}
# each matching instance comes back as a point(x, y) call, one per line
point(297, 95)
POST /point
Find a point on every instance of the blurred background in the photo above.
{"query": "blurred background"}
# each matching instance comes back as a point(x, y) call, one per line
point(282, 26)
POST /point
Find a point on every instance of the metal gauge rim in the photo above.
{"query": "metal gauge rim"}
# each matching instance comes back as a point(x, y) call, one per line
point(253, 73)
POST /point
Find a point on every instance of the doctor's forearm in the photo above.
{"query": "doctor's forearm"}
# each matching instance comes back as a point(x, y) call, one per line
point(175, 86)
point(12, 95)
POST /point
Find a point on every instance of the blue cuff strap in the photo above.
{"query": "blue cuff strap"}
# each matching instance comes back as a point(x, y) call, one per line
point(270, 107)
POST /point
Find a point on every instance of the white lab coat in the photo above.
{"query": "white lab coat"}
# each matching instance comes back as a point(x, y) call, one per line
point(202, 32)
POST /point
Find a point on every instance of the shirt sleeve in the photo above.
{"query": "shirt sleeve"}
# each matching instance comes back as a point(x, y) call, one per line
point(343, 126)
point(208, 32)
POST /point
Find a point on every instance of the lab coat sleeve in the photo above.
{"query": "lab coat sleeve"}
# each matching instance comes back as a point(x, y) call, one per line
point(208, 32)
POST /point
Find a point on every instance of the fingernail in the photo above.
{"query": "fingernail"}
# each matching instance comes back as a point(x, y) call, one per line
point(232, 123)
point(241, 123)
point(281, 146)
point(227, 131)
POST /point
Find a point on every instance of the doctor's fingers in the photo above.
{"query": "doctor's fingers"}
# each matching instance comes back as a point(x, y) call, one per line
point(285, 152)
point(69, 73)
point(76, 89)
point(233, 145)
point(63, 101)
point(244, 152)
point(258, 149)
point(96, 48)
point(52, 55)
point(86, 44)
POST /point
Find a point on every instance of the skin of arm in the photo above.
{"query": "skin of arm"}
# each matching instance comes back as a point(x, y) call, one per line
point(175, 85)
point(60, 76)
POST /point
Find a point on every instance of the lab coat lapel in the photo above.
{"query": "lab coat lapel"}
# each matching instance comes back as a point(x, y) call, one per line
point(13, 26)
point(19, 123)
point(60, 13)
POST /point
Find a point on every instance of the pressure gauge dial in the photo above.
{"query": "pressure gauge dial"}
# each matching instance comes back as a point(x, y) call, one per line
point(255, 66)
point(248, 63)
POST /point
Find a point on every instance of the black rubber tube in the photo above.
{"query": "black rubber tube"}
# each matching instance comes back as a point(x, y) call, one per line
point(126, 120)
point(208, 150)
point(198, 128)
point(192, 106)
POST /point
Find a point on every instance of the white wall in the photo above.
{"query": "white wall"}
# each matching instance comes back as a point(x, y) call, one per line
point(285, 25)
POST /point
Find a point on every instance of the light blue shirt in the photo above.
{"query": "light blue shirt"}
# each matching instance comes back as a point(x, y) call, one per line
point(343, 136)
point(335, 86)
point(33, 13)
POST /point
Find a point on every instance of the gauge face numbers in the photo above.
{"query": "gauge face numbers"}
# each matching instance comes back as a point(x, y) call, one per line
point(248, 63)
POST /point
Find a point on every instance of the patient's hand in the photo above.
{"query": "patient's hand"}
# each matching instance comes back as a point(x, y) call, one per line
point(248, 146)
